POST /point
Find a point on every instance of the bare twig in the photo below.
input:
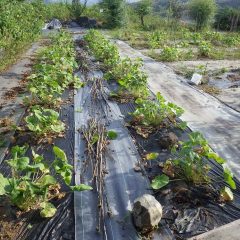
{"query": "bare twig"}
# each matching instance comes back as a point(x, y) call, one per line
point(95, 136)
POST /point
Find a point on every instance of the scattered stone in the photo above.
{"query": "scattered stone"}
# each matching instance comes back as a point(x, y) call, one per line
point(54, 24)
point(196, 78)
point(168, 140)
point(147, 212)
point(137, 169)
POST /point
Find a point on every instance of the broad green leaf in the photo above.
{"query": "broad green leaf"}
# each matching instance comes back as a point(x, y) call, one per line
point(36, 157)
point(47, 180)
point(95, 138)
point(59, 153)
point(81, 187)
point(214, 156)
point(112, 135)
point(19, 151)
point(228, 177)
point(152, 156)
point(182, 125)
point(48, 210)
point(3, 184)
point(160, 181)
point(19, 163)
point(37, 166)
point(57, 128)
point(226, 194)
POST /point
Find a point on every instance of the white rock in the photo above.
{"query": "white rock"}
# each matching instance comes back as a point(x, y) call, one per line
point(196, 78)
point(147, 212)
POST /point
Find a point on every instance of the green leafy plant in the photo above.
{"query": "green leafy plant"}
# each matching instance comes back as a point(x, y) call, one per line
point(155, 39)
point(169, 54)
point(32, 184)
point(44, 122)
point(202, 12)
point(191, 164)
point(102, 49)
point(125, 71)
point(15, 35)
point(112, 135)
point(205, 49)
point(154, 113)
point(54, 72)
point(130, 77)
point(151, 156)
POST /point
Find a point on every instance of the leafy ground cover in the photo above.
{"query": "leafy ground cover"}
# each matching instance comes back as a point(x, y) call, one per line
point(18, 29)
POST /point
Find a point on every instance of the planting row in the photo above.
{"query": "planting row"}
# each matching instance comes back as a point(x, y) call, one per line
point(193, 157)
point(184, 44)
point(34, 180)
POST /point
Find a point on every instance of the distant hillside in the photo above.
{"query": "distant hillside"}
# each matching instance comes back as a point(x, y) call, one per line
point(159, 4)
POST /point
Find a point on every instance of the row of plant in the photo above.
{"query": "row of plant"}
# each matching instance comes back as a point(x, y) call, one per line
point(33, 182)
point(126, 72)
point(183, 44)
point(192, 162)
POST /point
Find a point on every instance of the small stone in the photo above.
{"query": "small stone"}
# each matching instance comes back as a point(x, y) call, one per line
point(137, 169)
point(196, 79)
point(168, 140)
point(147, 212)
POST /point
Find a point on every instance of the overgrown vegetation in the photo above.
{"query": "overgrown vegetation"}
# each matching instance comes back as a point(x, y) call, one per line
point(202, 11)
point(113, 13)
point(17, 29)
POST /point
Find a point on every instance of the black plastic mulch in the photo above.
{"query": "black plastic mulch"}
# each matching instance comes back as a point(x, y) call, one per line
point(188, 210)
point(61, 226)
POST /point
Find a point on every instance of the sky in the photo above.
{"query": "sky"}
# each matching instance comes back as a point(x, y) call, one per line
point(90, 2)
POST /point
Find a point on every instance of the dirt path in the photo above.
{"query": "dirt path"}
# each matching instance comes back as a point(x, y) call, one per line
point(218, 123)
point(12, 91)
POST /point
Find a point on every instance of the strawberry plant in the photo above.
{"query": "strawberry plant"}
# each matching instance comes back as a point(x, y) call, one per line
point(155, 113)
point(44, 122)
point(32, 184)
point(191, 164)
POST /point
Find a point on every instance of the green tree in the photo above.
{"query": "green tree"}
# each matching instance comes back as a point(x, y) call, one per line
point(228, 19)
point(143, 8)
point(175, 8)
point(78, 7)
point(113, 12)
point(202, 12)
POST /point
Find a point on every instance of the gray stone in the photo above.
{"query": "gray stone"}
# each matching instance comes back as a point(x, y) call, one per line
point(147, 212)
point(54, 24)
point(168, 140)
point(196, 78)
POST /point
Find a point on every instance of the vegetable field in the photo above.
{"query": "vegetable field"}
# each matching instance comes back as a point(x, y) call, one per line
point(105, 134)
